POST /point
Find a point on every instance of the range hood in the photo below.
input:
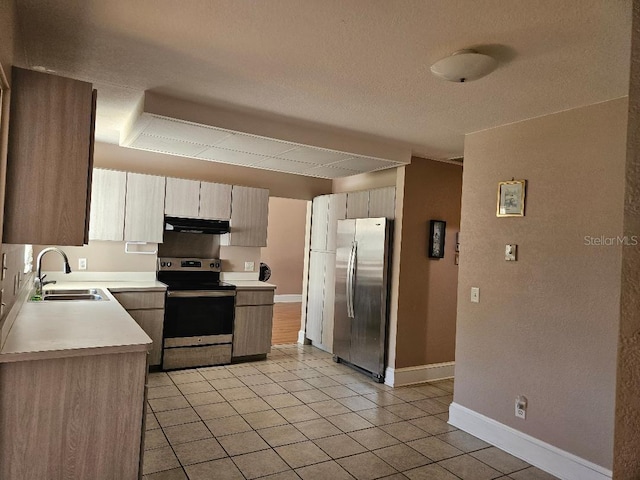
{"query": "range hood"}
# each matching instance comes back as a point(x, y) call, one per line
point(196, 225)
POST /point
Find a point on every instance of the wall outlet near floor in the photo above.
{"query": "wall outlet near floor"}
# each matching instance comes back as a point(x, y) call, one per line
point(248, 266)
point(475, 294)
point(521, 407)
point(82, 264)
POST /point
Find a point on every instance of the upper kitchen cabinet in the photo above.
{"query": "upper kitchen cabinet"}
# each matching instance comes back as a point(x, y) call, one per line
point(195, 199)
point(144, 208)
point(327, 210)
point(249, 217)
point(382, 202)
point(107, 205)
point(215, 201)
point(182, 198)
point(50, 159)
point(358, 204)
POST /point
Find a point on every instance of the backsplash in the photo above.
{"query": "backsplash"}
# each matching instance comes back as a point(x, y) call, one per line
point(105, 256)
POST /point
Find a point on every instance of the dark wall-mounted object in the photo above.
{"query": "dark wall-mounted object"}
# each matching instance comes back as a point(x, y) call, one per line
point(437, 231)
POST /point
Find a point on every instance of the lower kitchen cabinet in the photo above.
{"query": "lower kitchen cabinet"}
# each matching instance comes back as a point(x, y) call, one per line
point(147, 309)
point(253, 322)
point(74, 417)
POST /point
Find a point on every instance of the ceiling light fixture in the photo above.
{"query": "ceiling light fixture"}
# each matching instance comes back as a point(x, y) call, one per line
point(464, 66)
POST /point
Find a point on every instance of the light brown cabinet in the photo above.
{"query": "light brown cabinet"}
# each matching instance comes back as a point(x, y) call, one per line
point(108, 191)
point(249, 217)
point(253, 322)
point(50, 160)
point(74, 417)
point(147, 309)
point(182, 198)
point(195, 199)
point(144, 208)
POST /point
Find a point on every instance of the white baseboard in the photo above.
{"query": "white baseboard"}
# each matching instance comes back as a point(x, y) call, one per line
point(545, 456)
point(398, 377)
point(288, 298)
point(302, 340)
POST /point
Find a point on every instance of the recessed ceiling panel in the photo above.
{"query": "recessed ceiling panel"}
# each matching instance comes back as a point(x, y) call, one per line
point(364, 164)
point(285, 165)
point(229, 156)
point(315, 155)
point(167, 145)
point(253, 144)
point(185, 131)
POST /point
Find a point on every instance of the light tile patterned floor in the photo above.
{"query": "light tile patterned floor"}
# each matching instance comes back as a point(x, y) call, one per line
point(300, 415)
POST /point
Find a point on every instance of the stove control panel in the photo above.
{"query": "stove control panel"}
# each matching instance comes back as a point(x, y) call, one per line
point(189, 264)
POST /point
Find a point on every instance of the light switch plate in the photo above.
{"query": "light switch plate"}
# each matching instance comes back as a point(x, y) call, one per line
point(475, 295)
point(510, 253)
point(248, 266)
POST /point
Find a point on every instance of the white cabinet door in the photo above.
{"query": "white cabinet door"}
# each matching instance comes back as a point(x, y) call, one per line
point(144, 212)
point(319, 222)
point(358, 204)
point(182, 197)
point(215, 201)
point(382, 202)
point(329, 285)
point(249, 216)
point(315, 297)
point(107, 205)
point(337, 211)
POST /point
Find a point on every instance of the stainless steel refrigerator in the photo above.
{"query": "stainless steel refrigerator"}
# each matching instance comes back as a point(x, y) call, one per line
point(363, 254)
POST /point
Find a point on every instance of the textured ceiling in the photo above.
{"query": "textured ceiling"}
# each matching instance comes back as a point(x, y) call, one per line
point(358, 66)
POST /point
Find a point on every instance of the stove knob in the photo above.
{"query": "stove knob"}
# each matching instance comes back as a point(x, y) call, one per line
point(212, 265)
point(168, 264)
point(163, 264)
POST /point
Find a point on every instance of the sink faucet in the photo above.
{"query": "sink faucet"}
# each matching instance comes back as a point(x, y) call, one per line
point(39, 281)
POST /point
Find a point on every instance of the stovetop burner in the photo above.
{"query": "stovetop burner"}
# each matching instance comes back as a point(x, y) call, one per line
point(191, 274)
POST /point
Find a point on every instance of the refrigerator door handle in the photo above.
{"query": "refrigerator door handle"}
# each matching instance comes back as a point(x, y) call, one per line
point(351, 280)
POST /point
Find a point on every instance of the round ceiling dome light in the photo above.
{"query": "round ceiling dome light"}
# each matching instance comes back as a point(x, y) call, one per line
point(464, 66)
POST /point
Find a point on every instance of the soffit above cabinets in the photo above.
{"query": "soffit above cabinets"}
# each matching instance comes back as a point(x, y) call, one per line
point(163, 133)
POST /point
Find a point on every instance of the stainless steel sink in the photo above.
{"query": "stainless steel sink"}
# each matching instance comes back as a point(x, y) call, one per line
point(90, 294)
point(74, 291)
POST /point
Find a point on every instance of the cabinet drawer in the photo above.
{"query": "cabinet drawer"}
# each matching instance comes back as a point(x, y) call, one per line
point(140, 300)
point(196, 356)
point(254, 297)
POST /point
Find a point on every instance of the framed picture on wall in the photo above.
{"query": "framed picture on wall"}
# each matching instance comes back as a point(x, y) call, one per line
point(511, 197)
point(437, 230)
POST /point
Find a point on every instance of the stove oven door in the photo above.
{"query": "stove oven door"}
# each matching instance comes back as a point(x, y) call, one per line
point(198, 328)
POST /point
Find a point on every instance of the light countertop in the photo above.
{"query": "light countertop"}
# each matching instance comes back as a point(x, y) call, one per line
point(44, 330)
point(251, 284)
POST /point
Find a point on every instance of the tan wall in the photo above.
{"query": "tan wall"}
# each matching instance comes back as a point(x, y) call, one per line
point(428, 287)
point(546, 325)
point(284, 252)
point(626, 464)
point(366, 181)
point(139, 161)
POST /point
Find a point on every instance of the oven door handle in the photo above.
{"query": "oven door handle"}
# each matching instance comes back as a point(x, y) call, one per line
point(200, 293)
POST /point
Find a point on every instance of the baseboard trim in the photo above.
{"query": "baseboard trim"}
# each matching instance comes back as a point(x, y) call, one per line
point(543, 455)
point(399, 377)
point(288, 298)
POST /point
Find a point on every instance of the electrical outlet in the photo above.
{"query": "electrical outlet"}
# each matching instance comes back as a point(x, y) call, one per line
point(82, 264)
point(510, 253)
point(248, 266)
point(521, 407)
point(475, 294)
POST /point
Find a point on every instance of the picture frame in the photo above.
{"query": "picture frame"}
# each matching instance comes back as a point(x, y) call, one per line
point(511, 198)
point(437, 233)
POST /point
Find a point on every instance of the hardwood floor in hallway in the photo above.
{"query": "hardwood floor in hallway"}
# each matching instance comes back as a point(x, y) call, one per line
point(286, 323)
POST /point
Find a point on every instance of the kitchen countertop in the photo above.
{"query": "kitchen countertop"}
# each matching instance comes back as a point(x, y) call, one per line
point(250, 284)
point(45, 330)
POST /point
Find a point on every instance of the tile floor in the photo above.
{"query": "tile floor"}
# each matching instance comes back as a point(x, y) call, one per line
point(300, 415)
